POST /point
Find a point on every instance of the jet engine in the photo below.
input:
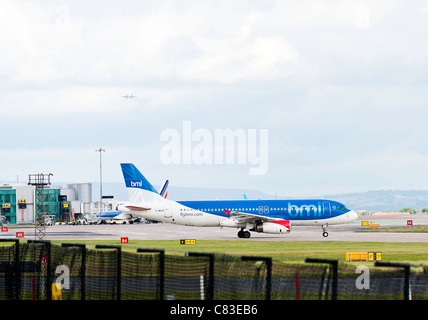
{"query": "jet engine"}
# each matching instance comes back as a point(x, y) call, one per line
point(280, 226)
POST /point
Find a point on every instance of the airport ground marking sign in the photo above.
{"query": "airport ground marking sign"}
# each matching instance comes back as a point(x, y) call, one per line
point(363, 256)
point(124, 240)
point(43, 259)
point(375, 256)
point(370, 224)
point(187, 241)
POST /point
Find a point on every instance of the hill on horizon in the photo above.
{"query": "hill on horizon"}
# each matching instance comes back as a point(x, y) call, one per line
point(384, 200)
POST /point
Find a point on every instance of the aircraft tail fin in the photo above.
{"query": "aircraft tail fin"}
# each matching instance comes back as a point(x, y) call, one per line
point(164, 191)
point(139, 188)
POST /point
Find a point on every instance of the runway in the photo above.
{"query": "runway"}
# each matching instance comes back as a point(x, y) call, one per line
point(158, 231)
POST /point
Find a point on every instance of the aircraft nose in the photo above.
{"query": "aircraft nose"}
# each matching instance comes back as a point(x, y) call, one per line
point(352, 215)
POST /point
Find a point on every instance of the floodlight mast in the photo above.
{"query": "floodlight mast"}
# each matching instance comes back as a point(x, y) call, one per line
point(40, 180)
point(101, 150)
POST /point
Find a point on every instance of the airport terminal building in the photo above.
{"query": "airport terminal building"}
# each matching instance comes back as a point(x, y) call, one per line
point(17, 202)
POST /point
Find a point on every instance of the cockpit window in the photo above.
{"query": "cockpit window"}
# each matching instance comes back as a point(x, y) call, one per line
point(342, 208)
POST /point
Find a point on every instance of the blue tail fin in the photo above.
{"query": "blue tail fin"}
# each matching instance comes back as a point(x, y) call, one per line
point(134, 178)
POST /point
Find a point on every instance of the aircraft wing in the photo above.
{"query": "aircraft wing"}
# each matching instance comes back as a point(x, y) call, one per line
point(247, 217)
point(242, 219)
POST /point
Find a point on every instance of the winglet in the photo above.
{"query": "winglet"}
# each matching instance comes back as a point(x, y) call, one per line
point(227, 211)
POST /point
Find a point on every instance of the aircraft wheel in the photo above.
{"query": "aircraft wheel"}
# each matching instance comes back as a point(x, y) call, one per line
point(325, 234)
point(244, 234)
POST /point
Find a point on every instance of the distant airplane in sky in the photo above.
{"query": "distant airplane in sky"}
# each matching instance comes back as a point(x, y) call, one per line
point(128, 96)
point(268, 216)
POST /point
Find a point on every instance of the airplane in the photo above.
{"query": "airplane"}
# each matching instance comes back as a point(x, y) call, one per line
point(129, 96)
point(262, 216)
point(116, 215)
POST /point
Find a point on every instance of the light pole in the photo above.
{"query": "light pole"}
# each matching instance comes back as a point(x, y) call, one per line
point(100, 150)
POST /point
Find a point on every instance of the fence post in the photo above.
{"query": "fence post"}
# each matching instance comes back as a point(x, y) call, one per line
point(161, 267)
point(119, 265)
point(268, 261)
point(333, 264)
point(83, 268)
point(406, 269)
point(211, 270)
point(17, 271)
point(47, 244)
point(17, 267)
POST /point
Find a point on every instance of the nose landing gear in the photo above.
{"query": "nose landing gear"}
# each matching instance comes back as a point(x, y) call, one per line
point(324, 231)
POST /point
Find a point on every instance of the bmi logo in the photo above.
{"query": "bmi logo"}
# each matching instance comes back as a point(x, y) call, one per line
point(136, 183)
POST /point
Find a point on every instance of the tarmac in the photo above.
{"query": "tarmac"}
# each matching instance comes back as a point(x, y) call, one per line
point(161, 231)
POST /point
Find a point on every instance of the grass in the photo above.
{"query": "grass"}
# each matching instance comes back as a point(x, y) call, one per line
point(413, 229)
point(288, 251)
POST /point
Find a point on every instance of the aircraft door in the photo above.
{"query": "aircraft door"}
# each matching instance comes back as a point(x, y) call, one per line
point(326, 209)
point(168, 211)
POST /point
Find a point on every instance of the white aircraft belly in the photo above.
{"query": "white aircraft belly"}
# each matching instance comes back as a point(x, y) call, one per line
point(196, 218)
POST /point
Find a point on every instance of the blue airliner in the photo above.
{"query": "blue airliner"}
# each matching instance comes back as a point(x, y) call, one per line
point(268, 216)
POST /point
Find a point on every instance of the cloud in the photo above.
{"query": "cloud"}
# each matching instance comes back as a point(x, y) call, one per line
point(339, 85)
point(232, 60)
point(139, 47)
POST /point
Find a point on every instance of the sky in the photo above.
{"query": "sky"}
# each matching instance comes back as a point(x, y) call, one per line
point(312, 97)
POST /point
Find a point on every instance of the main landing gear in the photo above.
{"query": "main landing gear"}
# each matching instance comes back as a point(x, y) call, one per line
point(244, 234)
point(324, 231)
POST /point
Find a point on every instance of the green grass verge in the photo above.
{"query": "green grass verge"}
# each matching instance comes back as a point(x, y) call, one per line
point(414, 229)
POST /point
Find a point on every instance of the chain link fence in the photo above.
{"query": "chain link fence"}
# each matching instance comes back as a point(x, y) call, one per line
point(39, 270)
